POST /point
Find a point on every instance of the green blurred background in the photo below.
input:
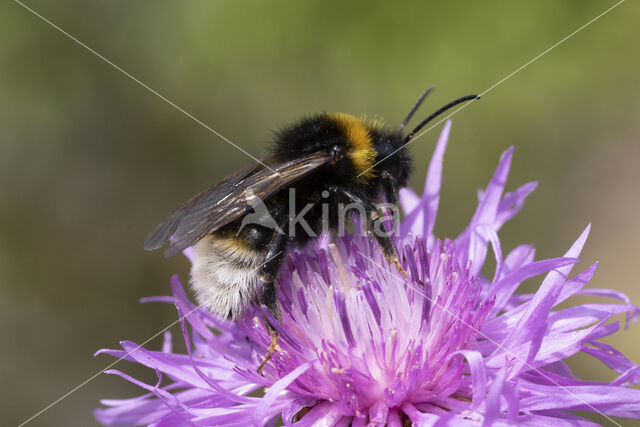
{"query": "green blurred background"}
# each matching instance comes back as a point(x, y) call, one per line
point(90, 161)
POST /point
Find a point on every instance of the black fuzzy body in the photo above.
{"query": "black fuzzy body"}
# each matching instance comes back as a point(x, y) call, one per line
point(331, 165)
point(327, 185)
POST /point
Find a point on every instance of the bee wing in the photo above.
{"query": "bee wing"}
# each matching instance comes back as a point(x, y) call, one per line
point(229, 200)
point(168, 226)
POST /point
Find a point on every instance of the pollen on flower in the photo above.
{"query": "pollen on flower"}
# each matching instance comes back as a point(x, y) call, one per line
point(443, 345)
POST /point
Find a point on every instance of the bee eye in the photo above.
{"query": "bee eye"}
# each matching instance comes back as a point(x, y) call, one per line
point(384, 149)
point(337, 153)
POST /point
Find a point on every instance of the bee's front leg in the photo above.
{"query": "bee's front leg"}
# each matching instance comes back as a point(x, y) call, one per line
point(384, 240)
point(267, 274)
point(374, 214)
point(390, 187)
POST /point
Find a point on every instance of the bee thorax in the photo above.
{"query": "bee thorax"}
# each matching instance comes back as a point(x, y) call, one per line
point(224, 275)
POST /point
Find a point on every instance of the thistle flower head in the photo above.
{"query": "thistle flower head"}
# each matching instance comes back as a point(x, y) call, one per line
point(361, 344)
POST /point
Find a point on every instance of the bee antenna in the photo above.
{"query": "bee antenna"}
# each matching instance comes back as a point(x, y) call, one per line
point(414, 109)
point(438, 112)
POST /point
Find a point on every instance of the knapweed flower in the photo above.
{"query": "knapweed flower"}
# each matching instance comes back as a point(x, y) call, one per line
point(360, 344)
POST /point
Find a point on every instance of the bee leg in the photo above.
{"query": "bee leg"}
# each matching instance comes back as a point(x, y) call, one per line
point(269, 298)
point(383, 237)
point(271, 302)
point(390, 186)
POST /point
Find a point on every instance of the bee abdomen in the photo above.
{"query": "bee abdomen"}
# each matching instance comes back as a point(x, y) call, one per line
point(224, 275)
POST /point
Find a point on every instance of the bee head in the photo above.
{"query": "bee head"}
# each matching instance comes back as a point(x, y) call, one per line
point(392, 156)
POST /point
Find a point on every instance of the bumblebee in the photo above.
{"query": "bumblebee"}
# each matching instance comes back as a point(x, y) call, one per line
point(322, 160)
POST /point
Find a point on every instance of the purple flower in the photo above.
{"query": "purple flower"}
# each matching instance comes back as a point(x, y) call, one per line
point(362, 345)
